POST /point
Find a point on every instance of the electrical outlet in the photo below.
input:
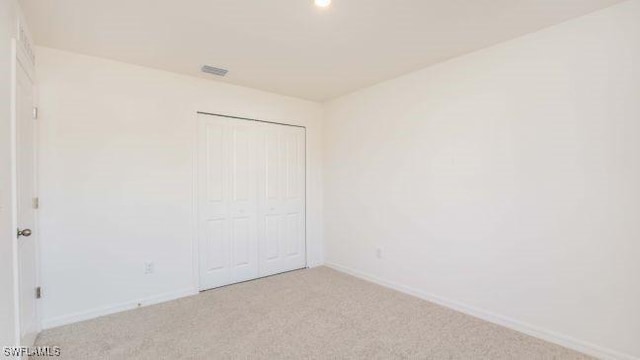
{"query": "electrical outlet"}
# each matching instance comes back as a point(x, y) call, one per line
point(148, 267)
point(379, 253)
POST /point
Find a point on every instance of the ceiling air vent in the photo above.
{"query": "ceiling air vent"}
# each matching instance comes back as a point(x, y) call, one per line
point(214, 70)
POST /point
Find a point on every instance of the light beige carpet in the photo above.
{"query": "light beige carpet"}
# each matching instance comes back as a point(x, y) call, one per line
point(308, 314)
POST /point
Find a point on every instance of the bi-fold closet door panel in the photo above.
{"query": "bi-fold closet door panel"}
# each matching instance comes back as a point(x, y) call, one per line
point(228, 211)
point(251, 199)
point(281, 225)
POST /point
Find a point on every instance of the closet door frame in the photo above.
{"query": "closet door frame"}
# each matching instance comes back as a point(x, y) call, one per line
point(196, 190)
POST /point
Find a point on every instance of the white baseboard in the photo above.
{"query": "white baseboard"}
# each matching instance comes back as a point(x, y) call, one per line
point(547, 335)
point(112, 309)
point(312, 265)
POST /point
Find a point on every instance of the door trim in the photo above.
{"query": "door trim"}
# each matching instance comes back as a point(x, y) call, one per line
point(195, 241)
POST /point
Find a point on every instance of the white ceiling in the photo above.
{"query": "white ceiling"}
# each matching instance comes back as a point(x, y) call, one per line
point(290, 46)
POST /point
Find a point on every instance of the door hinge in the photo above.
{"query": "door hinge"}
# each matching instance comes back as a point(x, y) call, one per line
point(38, 292)
point(35, 112)
point(36, 203)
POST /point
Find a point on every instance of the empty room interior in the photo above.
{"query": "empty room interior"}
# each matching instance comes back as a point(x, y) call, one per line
point(320, 179)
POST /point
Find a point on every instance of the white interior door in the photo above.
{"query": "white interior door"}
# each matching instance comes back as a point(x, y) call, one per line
point(227, 226)
point(26, 206)
point(251, 199)
point(282, 199)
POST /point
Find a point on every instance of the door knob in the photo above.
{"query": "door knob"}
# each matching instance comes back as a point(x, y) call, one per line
point(25, 232)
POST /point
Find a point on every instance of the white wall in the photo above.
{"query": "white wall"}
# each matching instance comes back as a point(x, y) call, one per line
point(8, 24)
point(504, 182)
point(117, 147)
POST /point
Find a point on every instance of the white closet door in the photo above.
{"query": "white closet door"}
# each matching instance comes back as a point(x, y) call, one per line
point(251, 199)
point(282, 199)
point(228, 218)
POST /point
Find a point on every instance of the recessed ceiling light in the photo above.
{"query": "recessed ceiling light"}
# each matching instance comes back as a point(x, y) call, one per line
point(322, 3)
